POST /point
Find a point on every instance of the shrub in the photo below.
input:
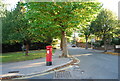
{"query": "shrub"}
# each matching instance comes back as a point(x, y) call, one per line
point(98, 43)
point(116, 41)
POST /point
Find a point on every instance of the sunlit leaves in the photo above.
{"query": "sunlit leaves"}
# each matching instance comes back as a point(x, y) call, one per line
point(48, 19)
point(65, 14)
point(104, 24)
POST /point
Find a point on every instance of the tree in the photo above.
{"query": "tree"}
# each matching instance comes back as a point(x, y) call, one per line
point(2, 15)
point(117, 29)
point(86, 32)
point(60, 16)
point(104, 25)
point(17, 28)
point(2, 9)
point(85, 27)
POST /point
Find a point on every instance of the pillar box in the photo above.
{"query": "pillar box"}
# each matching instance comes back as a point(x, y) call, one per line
point(49, 55)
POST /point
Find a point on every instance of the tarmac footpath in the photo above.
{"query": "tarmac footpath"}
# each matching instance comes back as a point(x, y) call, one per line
point(31, 67)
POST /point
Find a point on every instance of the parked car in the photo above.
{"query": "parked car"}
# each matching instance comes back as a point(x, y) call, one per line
point(73, 45)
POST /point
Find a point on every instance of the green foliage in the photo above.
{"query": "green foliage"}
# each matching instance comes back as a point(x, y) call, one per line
point(97, 44)
point(2, 9)
point(59, 16)
point(6, 27)
point(45, 20)
point(16, 27)
point(116, 41)
point(117, 29)
point(104, 24)
point(85, 29)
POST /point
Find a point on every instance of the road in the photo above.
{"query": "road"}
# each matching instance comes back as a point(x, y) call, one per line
point(93, 65)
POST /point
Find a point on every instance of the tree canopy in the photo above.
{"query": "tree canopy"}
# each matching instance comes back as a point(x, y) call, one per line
point(60, 16)
point(104, 25)
point(39, 21)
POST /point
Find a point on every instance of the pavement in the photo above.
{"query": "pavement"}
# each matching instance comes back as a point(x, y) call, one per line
point(94, 64)
point(31, 67)
point(90, 49)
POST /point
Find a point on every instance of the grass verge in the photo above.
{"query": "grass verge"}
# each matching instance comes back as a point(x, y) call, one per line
point(20, 56)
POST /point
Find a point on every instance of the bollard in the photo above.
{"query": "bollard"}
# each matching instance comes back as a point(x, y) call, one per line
point(49, 55)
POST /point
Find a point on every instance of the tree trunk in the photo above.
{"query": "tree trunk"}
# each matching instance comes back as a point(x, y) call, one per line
point(105, 46)
point(61, 43)
point(27, 48)
point(86, 46)
point(64, 45)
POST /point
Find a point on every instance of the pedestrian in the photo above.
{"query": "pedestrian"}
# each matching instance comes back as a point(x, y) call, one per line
point(23, 48)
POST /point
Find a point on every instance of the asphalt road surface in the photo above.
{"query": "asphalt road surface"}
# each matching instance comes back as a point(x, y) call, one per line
point(96, 65)
point(93, 65)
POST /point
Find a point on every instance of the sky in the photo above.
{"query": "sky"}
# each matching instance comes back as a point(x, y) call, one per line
point(109, 4)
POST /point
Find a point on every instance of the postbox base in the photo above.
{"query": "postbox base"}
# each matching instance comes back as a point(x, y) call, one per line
point(48, 63)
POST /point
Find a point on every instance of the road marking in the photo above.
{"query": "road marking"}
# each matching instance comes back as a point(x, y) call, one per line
point(63, 74)
point(43, 73)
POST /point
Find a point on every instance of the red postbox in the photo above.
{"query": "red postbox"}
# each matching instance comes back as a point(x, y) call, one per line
point(49, 55)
